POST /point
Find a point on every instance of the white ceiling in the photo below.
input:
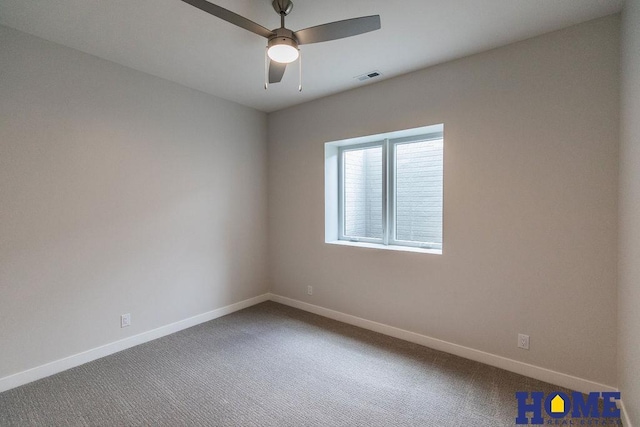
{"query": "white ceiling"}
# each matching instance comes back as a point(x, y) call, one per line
point(173, 40)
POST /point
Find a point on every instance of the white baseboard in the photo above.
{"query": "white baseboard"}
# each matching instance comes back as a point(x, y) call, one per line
point(626, 420)
point(72, 361)
point(532, 371)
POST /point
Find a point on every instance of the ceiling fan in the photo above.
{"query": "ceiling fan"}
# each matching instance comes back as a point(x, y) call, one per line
point(282, 44)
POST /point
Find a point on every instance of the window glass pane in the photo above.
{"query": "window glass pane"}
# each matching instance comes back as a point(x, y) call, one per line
point(418, 191)
point(363, 192)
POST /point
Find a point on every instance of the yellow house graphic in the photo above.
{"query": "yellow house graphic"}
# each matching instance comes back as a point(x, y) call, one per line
point(557, 405)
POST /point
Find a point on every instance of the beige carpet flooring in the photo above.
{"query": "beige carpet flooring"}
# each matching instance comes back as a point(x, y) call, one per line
point(272, 365)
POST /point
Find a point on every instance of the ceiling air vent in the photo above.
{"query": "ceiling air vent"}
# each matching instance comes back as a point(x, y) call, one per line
point(368, 76)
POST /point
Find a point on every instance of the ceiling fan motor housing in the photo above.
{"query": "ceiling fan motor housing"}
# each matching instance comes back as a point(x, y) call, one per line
point(283, 36)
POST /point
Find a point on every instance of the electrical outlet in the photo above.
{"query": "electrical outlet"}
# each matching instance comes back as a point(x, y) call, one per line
point(310, 290)
point(523, 341)
point(125, 320)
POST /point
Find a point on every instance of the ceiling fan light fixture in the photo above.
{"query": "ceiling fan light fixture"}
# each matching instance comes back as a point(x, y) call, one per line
point(283, 50)
point(282, 45)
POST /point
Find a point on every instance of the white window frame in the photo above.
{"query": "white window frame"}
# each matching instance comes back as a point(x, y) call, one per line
point(391, 201)
point(389, 142)
point(341, 210)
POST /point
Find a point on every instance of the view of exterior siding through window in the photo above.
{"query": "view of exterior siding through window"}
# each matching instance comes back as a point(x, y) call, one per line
point(418, 192)
point(363, 192)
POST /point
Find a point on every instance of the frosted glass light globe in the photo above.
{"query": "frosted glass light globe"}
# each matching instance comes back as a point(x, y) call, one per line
point(283, 53)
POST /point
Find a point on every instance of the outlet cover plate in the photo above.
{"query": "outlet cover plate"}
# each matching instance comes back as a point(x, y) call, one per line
point(523, 341)
point(125, 320)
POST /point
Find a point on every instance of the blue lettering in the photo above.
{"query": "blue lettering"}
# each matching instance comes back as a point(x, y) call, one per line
point(585, 409)
point(609, 408)
point(524, 407)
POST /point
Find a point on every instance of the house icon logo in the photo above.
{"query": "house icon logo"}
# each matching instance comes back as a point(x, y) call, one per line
point(557, 405)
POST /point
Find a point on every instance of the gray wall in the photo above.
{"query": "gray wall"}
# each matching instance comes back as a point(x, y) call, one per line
point(530, 202)
point(119, 193)
point(629, 234)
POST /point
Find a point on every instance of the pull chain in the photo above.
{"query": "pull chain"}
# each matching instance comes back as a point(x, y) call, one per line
point(300, 70)
point(266, 69)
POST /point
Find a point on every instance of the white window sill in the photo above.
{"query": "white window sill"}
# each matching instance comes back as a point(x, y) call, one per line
point(386, 247)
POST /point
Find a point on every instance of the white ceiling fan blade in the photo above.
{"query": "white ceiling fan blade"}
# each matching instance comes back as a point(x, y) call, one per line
point(338, 30)
point(230, 17)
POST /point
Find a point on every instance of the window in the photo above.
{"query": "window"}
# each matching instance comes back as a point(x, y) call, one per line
point(389, 189)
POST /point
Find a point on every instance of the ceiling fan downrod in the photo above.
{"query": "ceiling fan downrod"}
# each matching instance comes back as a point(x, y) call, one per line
point(282, 8)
